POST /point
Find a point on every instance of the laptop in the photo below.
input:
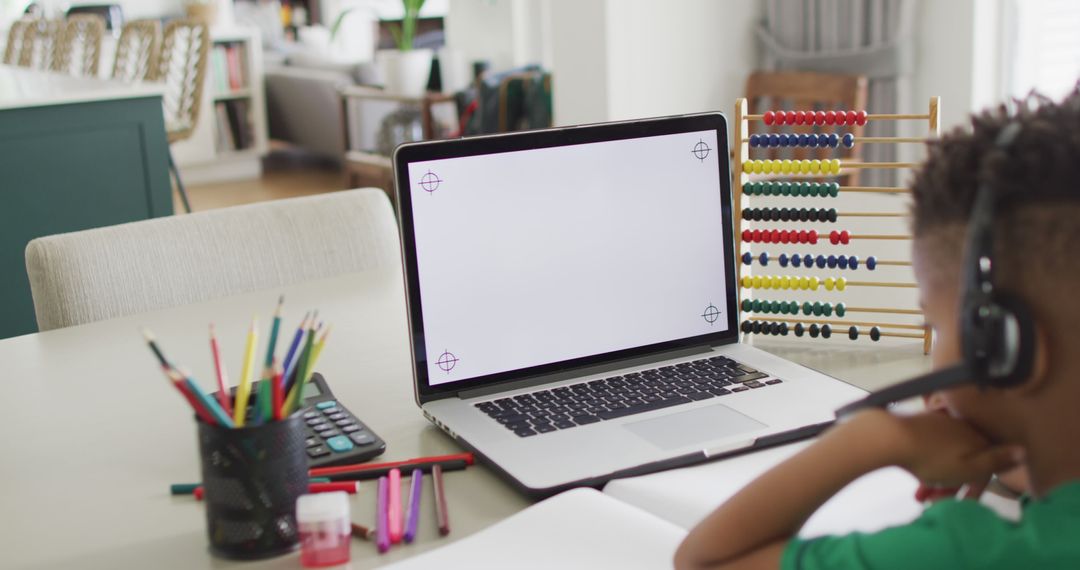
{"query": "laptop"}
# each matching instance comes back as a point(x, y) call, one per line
point(572, 304)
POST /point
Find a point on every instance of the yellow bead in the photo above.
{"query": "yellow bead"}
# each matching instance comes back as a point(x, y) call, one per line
point(815, 166)
point(785, 282)
point(841, 283)
point(757, 282)
point(804, 283)
point(758, 167)
point(804, 166)
point(766, 283)
point(829, 283)
point(748, 167)
point(777, 282)
point(785, 166)
point(747, 281)
point(835, 163)
point(814, 283)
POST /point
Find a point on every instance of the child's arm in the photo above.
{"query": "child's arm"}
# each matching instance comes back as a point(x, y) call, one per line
point(753, 527)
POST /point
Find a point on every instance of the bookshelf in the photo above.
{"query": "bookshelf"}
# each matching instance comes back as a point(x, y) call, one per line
point(230, 138)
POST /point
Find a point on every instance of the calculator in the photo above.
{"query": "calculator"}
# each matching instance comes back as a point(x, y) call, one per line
point(334, 435)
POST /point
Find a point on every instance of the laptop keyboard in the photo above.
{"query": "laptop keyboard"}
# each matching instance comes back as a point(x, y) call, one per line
point(566, 407)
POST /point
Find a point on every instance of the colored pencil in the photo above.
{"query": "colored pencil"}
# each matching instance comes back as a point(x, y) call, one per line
point(382, 534)
point(275, 404)
point(397, 525)
point(413, 518)
point(224, 397)
point(441, 513)
point(189, 488)
point(271, 347)
point(220, 417)
point(152, 342)
point(288, 363)
point(362, 532)
point(361, 471)
point(243, 391)
point(200, 411)
point(350, 487)
point(293, 395)
point(293, 368)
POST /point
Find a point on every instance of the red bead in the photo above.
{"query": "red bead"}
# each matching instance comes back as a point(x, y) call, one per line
point(851, 117)
point(766, 237)
point(812, 235)
point(860, 118)
point(792, 117)
point(747, 235)
point(834, 237)
point(769, 117)
point(775, 236)
point(819, 118)
point(785, 237)
point(756, 236)
point(830, 117)
point(845, 237)
point(800, 117)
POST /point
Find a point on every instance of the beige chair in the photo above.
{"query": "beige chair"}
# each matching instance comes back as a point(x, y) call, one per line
point(137, 50)
point(16, 41)
point(78, 50)
point(40, 43)
point(110, 272)
point(181, 65)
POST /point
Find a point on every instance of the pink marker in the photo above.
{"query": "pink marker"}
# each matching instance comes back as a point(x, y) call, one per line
point(382, 537)
point(397, 523)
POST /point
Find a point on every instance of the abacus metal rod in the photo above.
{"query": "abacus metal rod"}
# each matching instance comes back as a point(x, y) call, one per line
point(844, 323)
point(822, 235)
point(879, 284)
point(889, 165)
point(883, 310)
point(869, 140)
point(872, 214)
point(877, 117)
point(881, 189)
point(904, 335)
point(777, 258)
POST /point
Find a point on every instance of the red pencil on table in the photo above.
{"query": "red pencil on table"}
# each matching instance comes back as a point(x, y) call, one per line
point(350, 487)
point(224, 397)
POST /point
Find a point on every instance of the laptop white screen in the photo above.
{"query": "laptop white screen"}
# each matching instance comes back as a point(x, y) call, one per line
point(546, 255)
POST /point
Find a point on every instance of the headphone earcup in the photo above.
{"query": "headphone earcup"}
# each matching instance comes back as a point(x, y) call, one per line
point(999, 341)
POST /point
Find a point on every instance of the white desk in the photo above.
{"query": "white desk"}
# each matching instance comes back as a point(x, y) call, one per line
point(21, 88)
point(93, 435)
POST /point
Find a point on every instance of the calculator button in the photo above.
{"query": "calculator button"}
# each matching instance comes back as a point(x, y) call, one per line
point(345, 422)
point(352, 428)
point(324, 405)
point(331, 411)
point(329, 433)
point(317, 451)
point(362, 438)
point(309, 415)
point(324, 428)
point(312, 442)
point(337, 416)
point(316, 421)
point(339, 444)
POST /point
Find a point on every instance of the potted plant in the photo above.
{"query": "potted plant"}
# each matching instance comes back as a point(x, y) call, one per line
point(406, 69)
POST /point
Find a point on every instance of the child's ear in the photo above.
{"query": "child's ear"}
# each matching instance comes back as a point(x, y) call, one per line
point(1040, 365)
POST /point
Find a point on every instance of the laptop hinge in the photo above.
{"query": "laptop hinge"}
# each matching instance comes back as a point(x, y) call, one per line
point(580, 372)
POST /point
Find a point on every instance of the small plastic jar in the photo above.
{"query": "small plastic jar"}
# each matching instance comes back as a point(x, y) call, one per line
point(325, 532)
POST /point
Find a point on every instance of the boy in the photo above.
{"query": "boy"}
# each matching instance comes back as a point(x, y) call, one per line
point(1035, 425)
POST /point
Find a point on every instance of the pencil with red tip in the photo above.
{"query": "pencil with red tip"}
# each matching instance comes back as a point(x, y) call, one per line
point(276, 389)
point(166, 368)
point(211, 405)
point(224, 398)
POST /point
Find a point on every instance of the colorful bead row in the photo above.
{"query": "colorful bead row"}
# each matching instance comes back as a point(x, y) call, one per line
point(781, 329)
point(832, 261)
point(816, 309)
point(791, 282)
point(789, 214)
point(785, 166)
point(810, 140)
point(793, 236)
point(814, 117)
point(813, 189)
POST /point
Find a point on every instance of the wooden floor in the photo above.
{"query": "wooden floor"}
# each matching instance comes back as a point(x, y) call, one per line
point(283, 177)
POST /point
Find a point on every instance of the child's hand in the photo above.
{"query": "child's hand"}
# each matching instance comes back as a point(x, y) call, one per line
point(943, 451)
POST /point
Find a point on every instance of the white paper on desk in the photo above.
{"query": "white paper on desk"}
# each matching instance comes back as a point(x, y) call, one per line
point(582, 528)
point(685, 496)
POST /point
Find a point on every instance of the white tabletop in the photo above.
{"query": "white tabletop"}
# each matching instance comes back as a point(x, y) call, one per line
point(93, 435)
point(21, 88)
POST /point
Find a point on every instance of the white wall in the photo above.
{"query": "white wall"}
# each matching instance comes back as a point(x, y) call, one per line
point(133, 9)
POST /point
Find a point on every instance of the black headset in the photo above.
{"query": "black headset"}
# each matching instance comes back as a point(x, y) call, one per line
point(997, 328)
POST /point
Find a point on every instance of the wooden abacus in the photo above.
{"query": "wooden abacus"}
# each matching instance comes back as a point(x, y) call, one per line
point(773, 177)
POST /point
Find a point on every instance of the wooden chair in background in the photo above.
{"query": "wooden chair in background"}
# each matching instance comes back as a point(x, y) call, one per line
point(137, 50)
point(805, 91)
point(78, 47)
point(181, 66)
point(39, 44)
point(16, 41)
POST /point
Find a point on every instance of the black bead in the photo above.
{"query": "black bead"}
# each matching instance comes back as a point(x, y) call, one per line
point(826, 331)
point(853, 332)
point(746, 327)
point(814, 330)
point(799, 330)
point(832, 214)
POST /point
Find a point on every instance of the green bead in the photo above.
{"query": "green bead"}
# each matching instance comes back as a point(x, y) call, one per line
point(817, 309)
point(747, 304)
point(834, 189)
point(819, 189)
point(840, 309)
point(807, 308)
point(793, 307)
point(756, 306)
point(754, 188)
point(802, 188)
point(826, 309)
point(775, 308)
point(785, 188)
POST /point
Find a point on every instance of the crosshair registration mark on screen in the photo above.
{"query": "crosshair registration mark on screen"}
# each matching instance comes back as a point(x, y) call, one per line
point(447, 361)
point(711, 314)
point(701, 150)
point(430, 182)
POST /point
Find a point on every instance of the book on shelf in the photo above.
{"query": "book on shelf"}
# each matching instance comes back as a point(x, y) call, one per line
point(228, 68)
point(639, 522)
point(235, 130)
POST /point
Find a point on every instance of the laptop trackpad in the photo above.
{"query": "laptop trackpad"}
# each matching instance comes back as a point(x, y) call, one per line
point(695, 426)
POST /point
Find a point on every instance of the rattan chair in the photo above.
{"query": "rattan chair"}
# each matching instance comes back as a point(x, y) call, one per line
point(16, 41)
point(78, 50)
point(137, 50)
point(181, 65)
point(40, 43)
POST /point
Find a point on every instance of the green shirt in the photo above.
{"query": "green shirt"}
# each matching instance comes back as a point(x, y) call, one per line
point(957, 534)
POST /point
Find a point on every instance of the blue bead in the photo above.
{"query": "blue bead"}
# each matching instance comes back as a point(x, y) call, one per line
point(796, 261)
point(774, 139)
point(811, 140)
point(764, 258)
point(834, 140)
point(831, 261)
point(755, 141)
point(804, 140)
point(821, 261)
point(747, 258)
point(871, 262)
point(849, 140)
point(823, 140)
point(785, 140)
point(841, 262)
point(853, 261)
point(783, 259)
point(808, 260)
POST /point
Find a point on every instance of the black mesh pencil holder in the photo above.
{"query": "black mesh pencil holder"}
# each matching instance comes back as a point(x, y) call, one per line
point(252, 477)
